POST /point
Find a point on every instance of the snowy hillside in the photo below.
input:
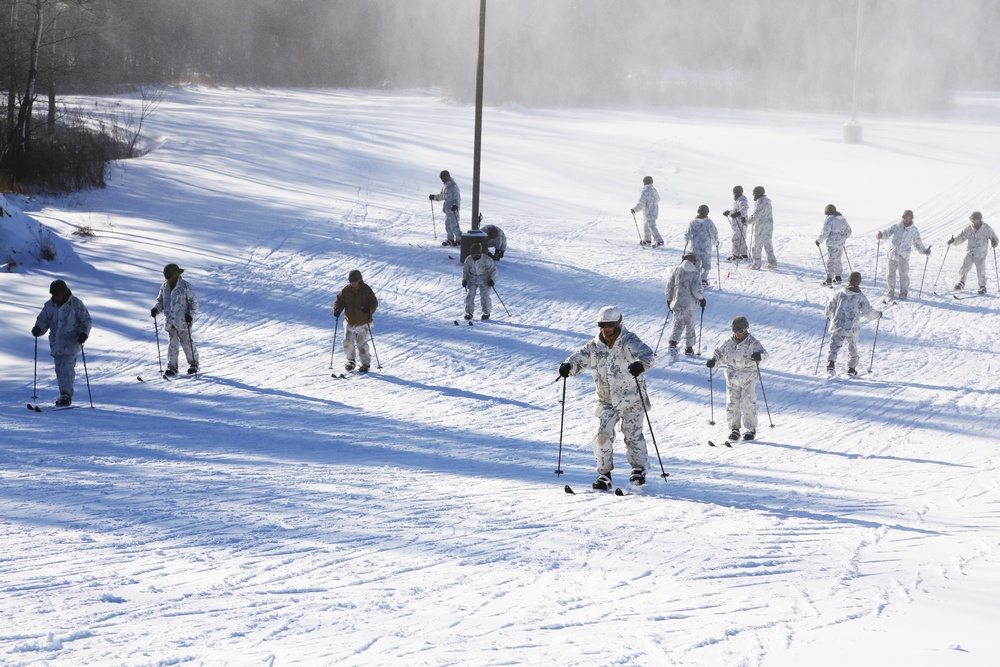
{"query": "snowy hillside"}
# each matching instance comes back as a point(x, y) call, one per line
point(268, 514)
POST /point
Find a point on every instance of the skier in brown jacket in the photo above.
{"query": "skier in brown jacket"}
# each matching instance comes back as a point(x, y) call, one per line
point(358, 303)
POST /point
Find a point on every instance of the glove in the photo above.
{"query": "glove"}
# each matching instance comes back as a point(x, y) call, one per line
point(879, 314)
point(82, 338)
point(817, 242)
point(153, 312)
point(431, 196)
point(499, 254)
point(454, 208)
point(702, 302)
point(951, 240)
point(366, 310)
point(36, 332)
point(927, 251)
point(336, 313)
point(188, 319)
point(710, 363)
point(755, 356)
point(879, 235)
point(465, 284)
point(632, 210)
point(490, 283)
point(994, 243)
point(636, 368)
point(726, 213)
point(564, 369)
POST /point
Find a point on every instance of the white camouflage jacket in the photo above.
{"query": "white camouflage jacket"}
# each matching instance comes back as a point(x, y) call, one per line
point(835, 232)
point(702, 234)
point(176, 303)
point(740, 368)
point(979, 239)
point(649, 202)
point(450, 195)
point(683, 289)
point(762, 217)
point(478, 271)
point(65, 324)
point(902, 238)
point(615, 385)
point(845, 310)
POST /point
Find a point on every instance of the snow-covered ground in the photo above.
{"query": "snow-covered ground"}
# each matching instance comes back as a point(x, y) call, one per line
point(267, 514)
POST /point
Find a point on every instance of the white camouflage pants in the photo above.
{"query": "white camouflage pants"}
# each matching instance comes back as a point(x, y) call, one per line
point(762, 240)
point(834, 262)
point(684, 324)
point(485, 298)
point(739, 237)
point(451, 227)
point(900, 265)
point(177, 338)
point(631, 428)
point(837, 340)
point(65, 372)
point(980, 263)
point(650, 233)
point(356, 343)
point(741, 403)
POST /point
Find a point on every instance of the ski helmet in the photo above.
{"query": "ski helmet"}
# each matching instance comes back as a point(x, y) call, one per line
point(609, 315)
point(171, 270)
point(740, 324)
point(647, 180)
point(690, 257)
point(976, 215)
point(58, 287)
point(702, 210)
point(830, 209)
point(737, 190)
point(354, 276)
point(758, 191)
point(445, 175)
point(854, 279)
point(492, 232)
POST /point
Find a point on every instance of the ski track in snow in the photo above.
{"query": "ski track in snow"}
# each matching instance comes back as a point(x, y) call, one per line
point(267, 512)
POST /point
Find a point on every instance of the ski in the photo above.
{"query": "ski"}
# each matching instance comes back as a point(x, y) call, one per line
point(469, 322)
point(568, 489)
point(54, 408)
point(967, 296)
point(341, 375)
point(727, 443)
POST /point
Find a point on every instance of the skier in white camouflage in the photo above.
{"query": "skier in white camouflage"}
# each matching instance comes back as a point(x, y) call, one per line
point(496, 239)
point(179, 305)
point(979, 237)
point(738, 221)
point(845, 311)
point(702, 236)
point(741, 353)
point(835, 232)
point(452, 198)
point(902, 236)
point(617, 359)
point(684, 294)
point(68, 322)
point(649, 204)
point(479, 273)
point(761, 222)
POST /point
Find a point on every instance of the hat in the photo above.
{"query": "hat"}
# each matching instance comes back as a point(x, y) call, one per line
point(647, 180)
point(703, 210)
point(609, 314)
point(689, 256)
point(445, 175)
point(737, 189)
point(354, 276)
point(476, 248)
point(854, 279)
point(830, 209)
point(171, 270)
point(759, 190)
point(492, 232)
point(58, 287)
point(976, 215)
point(740, 324)
point(907, 212)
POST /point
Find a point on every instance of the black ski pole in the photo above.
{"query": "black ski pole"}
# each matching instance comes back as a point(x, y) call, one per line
point(642, 241)
point(86, 374)
point(501, 300)
point(927, 258)
point(662, 329)
point(764, 393)
point(378, 364)
point(826, 267)
point(871, 363)
point(159, 355)
point(34, 383)
point(711, 397)
point(336, 325)
point(718, 266)
point(562, 421)
point(434, 221)
point(642, 399)
point(934, 286)
point(700, 324)
point(878, 244)
point(822, 342)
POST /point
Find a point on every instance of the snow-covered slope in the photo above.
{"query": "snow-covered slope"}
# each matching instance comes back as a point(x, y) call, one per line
point(266, 513)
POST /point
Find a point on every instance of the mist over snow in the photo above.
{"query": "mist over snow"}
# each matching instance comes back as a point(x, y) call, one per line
point(268, 514)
